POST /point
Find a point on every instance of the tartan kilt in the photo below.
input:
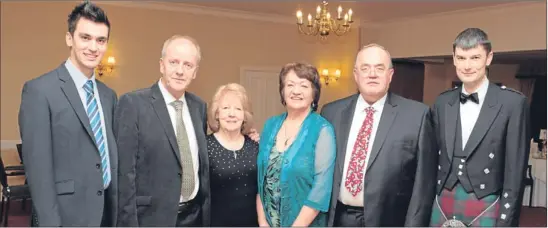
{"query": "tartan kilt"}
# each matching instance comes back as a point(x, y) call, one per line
point(464, 207)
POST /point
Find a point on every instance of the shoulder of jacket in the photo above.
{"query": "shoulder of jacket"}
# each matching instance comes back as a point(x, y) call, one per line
point(505, 88)
point(450, 90)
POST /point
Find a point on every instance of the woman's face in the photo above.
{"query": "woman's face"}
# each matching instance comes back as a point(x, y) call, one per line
point(230, 112)
point(298, 92)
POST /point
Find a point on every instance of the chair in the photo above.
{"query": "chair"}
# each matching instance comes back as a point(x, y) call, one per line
point(18, 169)
point(528, 181)
point(9, 193)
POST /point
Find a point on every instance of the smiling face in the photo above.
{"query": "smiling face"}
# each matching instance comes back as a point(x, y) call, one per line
point(87, 44)
point(471, 64)
point(373, 73)
point(230, 113)
point(298, 92)
point(179, 66)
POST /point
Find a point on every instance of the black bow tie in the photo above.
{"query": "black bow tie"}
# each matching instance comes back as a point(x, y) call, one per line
point(473, 97)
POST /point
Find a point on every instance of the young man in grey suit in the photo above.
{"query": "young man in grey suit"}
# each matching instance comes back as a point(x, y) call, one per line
point(65, 119)
point(483, 135)
point(386, 163)
point(164, 170)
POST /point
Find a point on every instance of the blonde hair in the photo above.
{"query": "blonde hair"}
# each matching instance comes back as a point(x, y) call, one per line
point(181, 37)
point(213, 112)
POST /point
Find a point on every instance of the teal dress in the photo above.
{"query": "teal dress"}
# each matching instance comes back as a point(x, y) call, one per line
point(300, 176)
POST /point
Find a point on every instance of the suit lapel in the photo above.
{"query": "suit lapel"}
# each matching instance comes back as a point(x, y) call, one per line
point(69, 89)
point(107, 106)
point(194, 110)
point(346, 117)
point(452, 109)
point(160, 108)
point(389, 112)
point(488, 113)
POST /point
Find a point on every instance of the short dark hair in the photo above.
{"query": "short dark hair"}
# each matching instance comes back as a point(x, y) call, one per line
point(88, 11)
point(306, 71)
point(471, 38)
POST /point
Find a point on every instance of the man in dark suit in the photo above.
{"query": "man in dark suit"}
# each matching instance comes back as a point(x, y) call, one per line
point(482, 133)
point(65, 118)
point(164, 170)
point(385, 166)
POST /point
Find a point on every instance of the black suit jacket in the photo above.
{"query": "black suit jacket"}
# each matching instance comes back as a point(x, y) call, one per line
point(62, 161)
point(150, 168)
point(498, 147)
point(400, 179)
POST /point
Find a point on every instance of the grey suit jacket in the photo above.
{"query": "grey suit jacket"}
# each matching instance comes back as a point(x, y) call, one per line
point(498, 148)
point(150, 168)
point(399, 182)
point(62, 161)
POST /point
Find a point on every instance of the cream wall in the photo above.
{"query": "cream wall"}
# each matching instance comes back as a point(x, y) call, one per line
point(511, 27)
point(32, 45)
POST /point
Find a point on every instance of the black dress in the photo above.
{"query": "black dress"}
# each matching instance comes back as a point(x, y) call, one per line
point(233, 183)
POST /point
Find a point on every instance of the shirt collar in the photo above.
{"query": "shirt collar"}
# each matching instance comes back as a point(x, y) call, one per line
point(77, 76)
point(361, 104)
point(482, 90)
point(168, 98)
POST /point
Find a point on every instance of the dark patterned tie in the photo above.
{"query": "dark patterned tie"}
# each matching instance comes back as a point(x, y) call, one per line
point(354, 174)
point(184, 150)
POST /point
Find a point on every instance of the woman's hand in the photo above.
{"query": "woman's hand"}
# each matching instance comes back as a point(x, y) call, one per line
point(254, 135)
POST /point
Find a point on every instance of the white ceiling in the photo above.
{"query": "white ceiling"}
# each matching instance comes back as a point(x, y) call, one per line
point(364, 10)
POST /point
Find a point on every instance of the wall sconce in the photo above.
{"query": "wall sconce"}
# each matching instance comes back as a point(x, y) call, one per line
point(327, 78)
point(107, 67)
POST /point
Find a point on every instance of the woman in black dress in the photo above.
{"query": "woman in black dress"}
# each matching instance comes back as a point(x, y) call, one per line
point(232, 159)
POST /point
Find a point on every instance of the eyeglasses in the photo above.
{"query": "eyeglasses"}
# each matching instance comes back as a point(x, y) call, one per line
point(368, 70)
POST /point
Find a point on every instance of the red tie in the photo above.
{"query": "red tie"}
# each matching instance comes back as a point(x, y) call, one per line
point(354, 174)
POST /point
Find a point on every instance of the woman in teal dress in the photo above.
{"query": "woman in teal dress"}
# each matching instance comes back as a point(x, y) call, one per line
point(296, 155)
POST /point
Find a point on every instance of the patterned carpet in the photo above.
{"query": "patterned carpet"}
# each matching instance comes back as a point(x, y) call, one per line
point(530, 216)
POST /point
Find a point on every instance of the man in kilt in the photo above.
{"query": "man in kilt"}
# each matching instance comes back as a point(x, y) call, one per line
point(482, 133)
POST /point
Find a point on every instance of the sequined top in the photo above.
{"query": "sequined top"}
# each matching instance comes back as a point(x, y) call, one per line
point(233, 183)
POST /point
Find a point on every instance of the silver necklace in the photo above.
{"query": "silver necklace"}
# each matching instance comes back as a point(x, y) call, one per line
point(454, 222)
point(288, 138)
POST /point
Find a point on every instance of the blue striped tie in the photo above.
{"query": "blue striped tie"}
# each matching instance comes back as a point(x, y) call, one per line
point(95, 120)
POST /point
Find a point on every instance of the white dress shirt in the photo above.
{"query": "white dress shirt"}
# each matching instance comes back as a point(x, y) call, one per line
point(193, 143)
point(80, 80)
point(359, 116)
point(471, 111)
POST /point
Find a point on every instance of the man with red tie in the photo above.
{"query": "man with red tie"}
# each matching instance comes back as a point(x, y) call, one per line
point(386, 159)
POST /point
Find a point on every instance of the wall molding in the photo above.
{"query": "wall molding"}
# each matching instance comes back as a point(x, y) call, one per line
point(209, 11)
point(501, 7)
point(9, 144)
point(203, 10)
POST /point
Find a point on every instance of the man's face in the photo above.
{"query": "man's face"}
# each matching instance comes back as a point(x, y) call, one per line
point(372, 73)
point(88, 44)
point(471, 64)
point(179, 65)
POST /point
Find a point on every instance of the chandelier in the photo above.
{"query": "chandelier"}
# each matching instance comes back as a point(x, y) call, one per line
point(323, 24)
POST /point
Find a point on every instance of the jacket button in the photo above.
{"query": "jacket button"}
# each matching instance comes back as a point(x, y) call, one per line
point(179, 174)
point(98, 166)
point(99, 193)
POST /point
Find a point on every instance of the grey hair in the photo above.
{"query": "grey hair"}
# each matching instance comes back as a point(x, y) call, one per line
point(471, 38)
point(390, 65)
point(181, 37)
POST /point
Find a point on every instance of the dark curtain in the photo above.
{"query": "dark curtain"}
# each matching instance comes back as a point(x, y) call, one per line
point(538, 107)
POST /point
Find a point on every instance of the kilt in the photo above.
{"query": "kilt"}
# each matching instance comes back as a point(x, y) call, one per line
point(464, 207)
